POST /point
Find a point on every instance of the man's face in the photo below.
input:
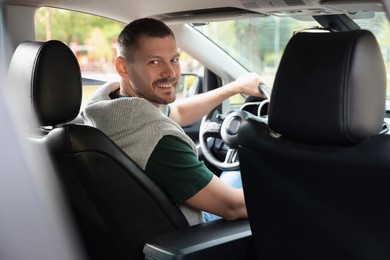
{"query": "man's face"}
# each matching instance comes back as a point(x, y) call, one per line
point(155, 71)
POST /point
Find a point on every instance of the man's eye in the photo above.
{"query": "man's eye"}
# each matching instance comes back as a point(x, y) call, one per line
point(154, 62)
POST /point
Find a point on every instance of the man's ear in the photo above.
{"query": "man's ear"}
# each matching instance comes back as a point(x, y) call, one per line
point(120, 65)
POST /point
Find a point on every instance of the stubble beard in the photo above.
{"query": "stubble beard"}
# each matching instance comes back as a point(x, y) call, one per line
point(156, 99)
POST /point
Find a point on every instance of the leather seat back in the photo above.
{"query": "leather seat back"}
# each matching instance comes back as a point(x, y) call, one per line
point(113, 203)
point(316, 178)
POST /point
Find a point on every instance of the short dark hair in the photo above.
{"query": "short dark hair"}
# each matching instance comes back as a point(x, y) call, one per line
point(128, 38)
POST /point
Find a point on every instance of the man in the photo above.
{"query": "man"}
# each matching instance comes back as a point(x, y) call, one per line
point(135, 114)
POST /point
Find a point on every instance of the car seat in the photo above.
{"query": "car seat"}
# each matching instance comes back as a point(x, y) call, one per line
point(316, 179)
point(116, 208)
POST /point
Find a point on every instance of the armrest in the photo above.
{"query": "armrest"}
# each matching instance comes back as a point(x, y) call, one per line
point(218, 239)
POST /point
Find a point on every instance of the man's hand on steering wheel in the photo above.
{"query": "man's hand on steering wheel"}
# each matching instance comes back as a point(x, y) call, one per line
point(227, 130)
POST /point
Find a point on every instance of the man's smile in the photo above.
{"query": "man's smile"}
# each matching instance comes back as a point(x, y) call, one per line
point(165, 85)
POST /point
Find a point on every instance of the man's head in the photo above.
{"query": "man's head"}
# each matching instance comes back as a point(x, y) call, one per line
point(148, 61)
point(128, 38)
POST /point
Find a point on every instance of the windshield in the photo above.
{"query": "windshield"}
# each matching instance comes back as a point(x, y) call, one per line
point(258, 43)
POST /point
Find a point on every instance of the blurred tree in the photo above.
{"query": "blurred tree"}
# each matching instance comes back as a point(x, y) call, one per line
point(68, 26)
point(255, 41)
point(91, 37)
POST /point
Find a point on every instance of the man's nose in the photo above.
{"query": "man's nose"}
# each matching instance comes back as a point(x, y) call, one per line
point(168, 70)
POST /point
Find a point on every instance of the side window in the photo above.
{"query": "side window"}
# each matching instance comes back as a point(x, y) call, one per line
point(93, 41)
point(91, 38)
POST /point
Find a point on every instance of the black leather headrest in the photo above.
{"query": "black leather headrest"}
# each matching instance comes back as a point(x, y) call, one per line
point(49, 75)
point(330, 88)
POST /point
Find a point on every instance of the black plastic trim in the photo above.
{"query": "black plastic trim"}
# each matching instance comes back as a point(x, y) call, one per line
point(218, 239)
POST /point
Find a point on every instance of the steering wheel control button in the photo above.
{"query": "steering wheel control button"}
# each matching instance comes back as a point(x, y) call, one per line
point(214, 127)
point(233, 125)
point(230, 127)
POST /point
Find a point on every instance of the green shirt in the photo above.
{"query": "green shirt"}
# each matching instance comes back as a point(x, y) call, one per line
point(174, 166)
point(176, 169)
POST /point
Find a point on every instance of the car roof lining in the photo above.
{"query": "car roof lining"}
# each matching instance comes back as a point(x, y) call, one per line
point(204, 10)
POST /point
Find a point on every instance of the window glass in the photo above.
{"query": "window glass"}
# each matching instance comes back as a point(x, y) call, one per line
point(379, 25)
point(93, 41)
point(258, 43)
point(91, 38)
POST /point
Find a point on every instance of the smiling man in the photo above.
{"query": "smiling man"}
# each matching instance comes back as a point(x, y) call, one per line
point(139, 115)
point(153, 70)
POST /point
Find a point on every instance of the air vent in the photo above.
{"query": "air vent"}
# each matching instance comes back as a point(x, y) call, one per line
point(272, 4)
point(206, 15)
point(294, 2)
point(250, 4)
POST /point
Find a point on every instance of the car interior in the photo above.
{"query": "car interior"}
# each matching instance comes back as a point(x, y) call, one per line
point(313, 154)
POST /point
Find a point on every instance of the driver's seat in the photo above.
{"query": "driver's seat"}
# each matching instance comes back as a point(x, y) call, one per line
point(115, 205)
point(317, 178)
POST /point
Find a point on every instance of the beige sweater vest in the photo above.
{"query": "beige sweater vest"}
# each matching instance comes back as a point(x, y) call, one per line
point(136, 126)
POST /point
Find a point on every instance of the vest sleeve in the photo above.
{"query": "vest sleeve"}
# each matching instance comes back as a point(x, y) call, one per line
point(175, 168)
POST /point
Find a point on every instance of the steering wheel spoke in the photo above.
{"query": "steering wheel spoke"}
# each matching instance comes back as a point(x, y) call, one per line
point(231, 156)
point(211, 129)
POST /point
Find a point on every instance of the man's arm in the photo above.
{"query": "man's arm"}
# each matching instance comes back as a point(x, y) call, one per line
point(219, 198)
point(189, 110)
point(174, 167)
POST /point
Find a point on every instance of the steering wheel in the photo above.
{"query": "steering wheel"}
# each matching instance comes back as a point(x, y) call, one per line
point(227, 131)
